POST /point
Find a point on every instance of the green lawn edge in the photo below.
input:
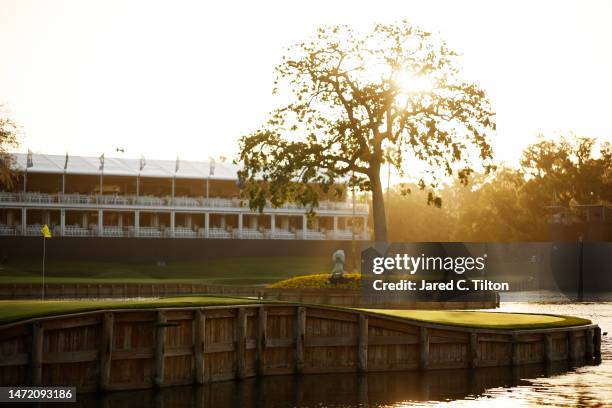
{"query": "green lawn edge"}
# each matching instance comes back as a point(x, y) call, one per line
point(12, 311)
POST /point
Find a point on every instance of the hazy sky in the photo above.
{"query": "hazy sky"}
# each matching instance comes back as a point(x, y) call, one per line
point(167, 78)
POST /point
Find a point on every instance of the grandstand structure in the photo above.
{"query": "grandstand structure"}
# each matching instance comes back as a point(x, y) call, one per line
point(82, 196)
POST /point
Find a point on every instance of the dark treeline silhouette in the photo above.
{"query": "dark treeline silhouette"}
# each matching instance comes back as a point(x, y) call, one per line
point(512, 204)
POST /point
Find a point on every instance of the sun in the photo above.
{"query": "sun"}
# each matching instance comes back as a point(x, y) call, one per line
point(410, 83)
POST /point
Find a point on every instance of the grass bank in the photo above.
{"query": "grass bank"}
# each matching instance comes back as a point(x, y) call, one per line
point(229, 271)
point(485, 320)
point(14, 310)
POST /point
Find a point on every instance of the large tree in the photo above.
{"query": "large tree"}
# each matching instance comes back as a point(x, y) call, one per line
point(8, 141)
point(347, 98)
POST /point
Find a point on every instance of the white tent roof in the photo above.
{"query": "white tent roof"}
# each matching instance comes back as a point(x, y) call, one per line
point(113, 166)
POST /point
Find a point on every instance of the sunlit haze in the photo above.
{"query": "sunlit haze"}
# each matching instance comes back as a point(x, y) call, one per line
point(169, 78)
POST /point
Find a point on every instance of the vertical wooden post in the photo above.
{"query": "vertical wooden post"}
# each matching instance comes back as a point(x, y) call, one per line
point(37, 353)
point(474, 355)
point(299, 339)
point(515, 350)
point(240, 343)
point(160, 349)
point(548, 348)
point(572, 345)
point(262, 334)
point(362, 345)
point(199, 328)
point(106, 350)
point(588, 350)
point(597, 344)
point(423, 348)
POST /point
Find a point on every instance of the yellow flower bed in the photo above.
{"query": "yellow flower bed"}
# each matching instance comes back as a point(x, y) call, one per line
point(318, 281)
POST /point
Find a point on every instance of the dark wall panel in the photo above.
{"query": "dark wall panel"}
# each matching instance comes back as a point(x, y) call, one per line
point(110, 249)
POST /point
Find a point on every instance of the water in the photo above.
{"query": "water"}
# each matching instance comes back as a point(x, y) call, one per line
point(534, 385)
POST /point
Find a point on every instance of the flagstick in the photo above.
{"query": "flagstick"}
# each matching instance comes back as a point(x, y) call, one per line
point(43, 271)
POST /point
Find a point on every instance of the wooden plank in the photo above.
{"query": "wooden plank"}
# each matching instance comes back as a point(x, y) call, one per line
point(14, 360)
point(332, 315)
point(69, 323)
point(407, 327)
point(362, 346)
point(262, 334)
point(446, 340)
point(160, 349)
point(589, 334)
point(37, 353)
point(67, 357)
point(515, 350)
point(199, 327)
point(572, 346)
point(423, 348)
point(338, 341)
point(300, 332)
point(106, 350)
point(129, 317)
point(133, 354)
point(178, 351)
point(240, 339)
point(393, 340)
point(15, 331)
point(179, 315)
point(219, 347)
point(474, 348)
point(548, 348)
point(280, 342)
point(281, 311)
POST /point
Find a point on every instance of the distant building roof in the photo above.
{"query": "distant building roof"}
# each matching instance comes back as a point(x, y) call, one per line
point(113, 166)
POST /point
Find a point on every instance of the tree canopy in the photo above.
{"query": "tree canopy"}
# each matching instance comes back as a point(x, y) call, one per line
point(352, 101)
point(8, 140)
point(511, 204)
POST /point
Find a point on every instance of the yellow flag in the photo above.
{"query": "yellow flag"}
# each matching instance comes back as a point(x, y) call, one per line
point(45, 231)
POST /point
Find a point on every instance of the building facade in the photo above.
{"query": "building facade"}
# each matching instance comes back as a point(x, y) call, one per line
point(115, 197)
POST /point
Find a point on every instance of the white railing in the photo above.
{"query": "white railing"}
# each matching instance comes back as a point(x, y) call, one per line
point(113, 231)
point(280, 234)
point(310, 234)
point(8, 230)
point(219, 233)
point(34, 229)
point(251, 233)
point(152, 201)
point(8, 197)
point(76, 199)
point(153, 232)
point(184, 232)
point(76, 231)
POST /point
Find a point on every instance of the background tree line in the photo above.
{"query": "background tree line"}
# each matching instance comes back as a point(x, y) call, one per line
point(511, 204)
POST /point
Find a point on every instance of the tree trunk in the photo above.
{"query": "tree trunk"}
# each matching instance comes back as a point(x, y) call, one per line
point(378, 208)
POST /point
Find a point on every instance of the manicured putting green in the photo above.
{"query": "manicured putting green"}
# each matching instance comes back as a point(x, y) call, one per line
point(485, 320)
point(14, 310)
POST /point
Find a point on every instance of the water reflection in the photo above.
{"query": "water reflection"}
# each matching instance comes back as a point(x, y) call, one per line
point(334, 390)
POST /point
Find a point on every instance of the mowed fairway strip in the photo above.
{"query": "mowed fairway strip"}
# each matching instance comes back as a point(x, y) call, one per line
point(485, 320)
point(15, 310)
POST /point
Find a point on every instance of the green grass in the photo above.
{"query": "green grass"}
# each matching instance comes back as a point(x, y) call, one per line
point(232, 271)
point(14, 310)
point(485, 320)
